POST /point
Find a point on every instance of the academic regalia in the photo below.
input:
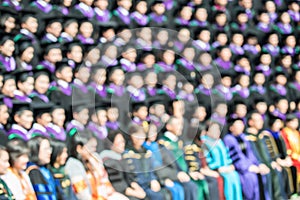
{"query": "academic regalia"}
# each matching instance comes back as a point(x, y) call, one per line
point(127, 66)
point(268, 48)
point(240, 93)
point(224, 65)
point(170, 94)
point(102, 15)
point(242, 158)
point(217, 156)
point(138, 20)
point(113, 89)
point(5, 192)
point(223, 92)
point(202, 46)
point(49, 38)
point(176, 153)
point(122, 16)
point(250, 49)
point(85, 40)
point(65, 37)
point(16, 5)
point(42, 6)
point(38, 129)
point(168, 171)
point(284, 28)
point(267, 71)
point(163, 67)
point(56, 132)
point(276, 91)
point(277, 149)
point(100, 132)
point(158, 21)
point(17, 131)
point(139, 169)
point(236, 50)
point(75, 125)
point(85, 10)
point(42, 181)
point(80, 91)
point(186, 68)
point(39, 98)
point(8, 63)
point(295, 16)
point(99, 90)
point(62, 183)
point(3, 135)
point(19, 184)
point(112, 125)
point(261, 152)
point(150, 91)
point(294, 90)
point(289, 50)
point(203, 95)
point(46, 65)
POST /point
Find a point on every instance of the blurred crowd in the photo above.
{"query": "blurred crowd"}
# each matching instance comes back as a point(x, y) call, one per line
point(158, 99)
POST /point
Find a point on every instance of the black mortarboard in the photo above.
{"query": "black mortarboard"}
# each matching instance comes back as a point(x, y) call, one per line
point(135, 106)
point(80, 104)
point(22, 44)
point(231, 120)
point(157, 2)
point(54, 17)
point(48, 46)
point(280, 71)
point(27, 12)
point(102, 106)
point(62, 64)
point(41, 71)
point(23, 74)
point(107, 25)
point(41, 108)
point(6, 37)
point(290, 117)
point(111, 69)
point(158, 99)
point(225, 73)
point(20, 106)
point(8, 76)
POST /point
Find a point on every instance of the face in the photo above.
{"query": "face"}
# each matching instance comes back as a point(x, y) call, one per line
point(241, 110)
point(277, 125)
point(9, 87)
point(237, 127)
point(25, 119)
point(159, 8)
point(201, 113)
point(91, 145)
point(93, 56)
point(261, 107)
point(7, 48)
point(10, 24)
point(61, 159)
point(184, 35)
point(72, 29)
point(259, 79)
point(76, 54)
point(286, 61)
point(175, 127)
point(45, 119)
point(101, 4)
point(285, 18)
point(149, 60)
point(151, 79)
point(27, 54)
point(162, 37)
point(4, 115)
point(27, 86)
point(283, 106)
point(214, 131)
point(83, 116)
point(222, 109)
point(273, 39)
point(67, 3)
point(204, 36)
point(66, 74)
point(112, 114)
point(152, 133)
point(141, 113)
point(136, 81)
point(169, 57)
point(293, 124)
point(291, 41)
point(138, 139)
point(21, 162)
point(4, 164)
point(226, 81)
point(170, 82)
point(118, 144)
point(242, 18)
point(270, 6)
point(244, 81)
point(264, 18)
point(55, 29)
point(222, 39)
point(86, 29)
point(225, 54)
point(221, 19)
point(141, 7)
point(207, 80)
point(130, 54)
point(100, 76)
point(44, 152)
point(59, 117)
point(201, 14)
point(238, 39)
point(186, 13)
point(281, 79)
point(125, 4)
point(117, 77)
point(42, 84)
point(102, 118)
point(54, 55)
point(31, 25)
point(83, 74)
point(266, 59)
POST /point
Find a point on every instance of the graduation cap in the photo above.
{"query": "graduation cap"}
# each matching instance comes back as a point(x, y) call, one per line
point(8, 76)
point(48, 46)
point(41, 108)
point(111, 69)
point(231, 120)
point(38, 71)
point(6, 37)
point(157, 2)
point(226, 73)
point(156, 100)
point(135, 106)
point(22, 44)
point(107, 25)
point(102, 106)
point(62, 64)
point(80, 104)
point(290, 117)
point(22, 75)
point(280, 71)
point(54, 17)
point(19, 106)
point(25, 13)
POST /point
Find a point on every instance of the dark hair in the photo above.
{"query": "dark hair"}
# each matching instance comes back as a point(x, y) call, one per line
point(111, 138)
point(34, 146)
point(16, 148)
point(57, 149)
point(2, 148)
point(77, 139)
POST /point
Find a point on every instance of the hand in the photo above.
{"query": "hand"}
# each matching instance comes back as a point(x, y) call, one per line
point(196, 176)
point(208, 172)
point(155, 186)
point(288, 161)
point(263, 169)
point(169, 183)
point(183, 177)
point(254, 169)
point(276, 166)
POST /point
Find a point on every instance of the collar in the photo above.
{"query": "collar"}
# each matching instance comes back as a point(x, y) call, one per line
point(39, 127)
point(66, 35)
point(19, 128)
point(84, 6)
point(51, 37)
point(78, 82)
point(42, 3)
point(99, 11)
point(123, 11)
point(77, 123)
point(63, 83)
point(171, 136)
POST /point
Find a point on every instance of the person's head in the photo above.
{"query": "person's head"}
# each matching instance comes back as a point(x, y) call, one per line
point(64, 72)
point(174, 126)
point(116, 76)
point(273, 39)
point(270, 6)
point(240, 109)
point(157, 108)
point(170, 81)
point(82, 73)
point(152, 133)
point(148, 59)
point(158, 8)
point(117, 141)
point(98, 75)
point(294, 6)
point(200, 113)
point(280, 78)
point(54, 28)
point(151, 78)
point(286, 61)
point(141, 7)
point(41, 82)
point(225, 53)
point(129, 54)
point(26, 52)
point(4, 157)
point(140, 110)
point(263, 17)
point(186, 12)
point(76, 145)
point(59, 153)
point(43, 119)
point(126, 4)
point(184, 35)
point(86, 28)
point(285, 18)
point(18, 154)
point(7, 23)
point(292, 122)
point(53, 53)
point(4, 114)
point(237, 38)
point(81, 113)
point(290, 40)
point(260, 105)
point(101, 4)
point(221, 109)
point(71, 27)
point(9, 86)
point(189, 53)
point(100, 115)
point(30, 23)
point(205, 59)
point(259, 78)
point(137, 136)
point(204, 35)
point(207, 80)
point(214, 130)
point(112, 113)
point(242, 17)
point(162, 36)
point(23, 115)
point(7, 46)
point(275, 124)
point(40, 150)
point(226, 80)
point(136, 80)
point(255, 120)
point(265, 59)
point(87, 2)
point(168, 56)
point(243, 80)
point(282, 104)
point(237, 126)
point(221, 37)
point(201, 14)
point(58, 116)
point(220, 18)
point(75, 52)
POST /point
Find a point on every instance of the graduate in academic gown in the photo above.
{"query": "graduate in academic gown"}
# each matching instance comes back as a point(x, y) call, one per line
point(243, 159)
point(24, 82)
point(218, 158)
point(4, 116)
point(138, 16)
point(8, 88)
point(7, 60)
point(56, 128)
point(5, 192)
point(122, 13)
point(23, 118)
point(42, 80)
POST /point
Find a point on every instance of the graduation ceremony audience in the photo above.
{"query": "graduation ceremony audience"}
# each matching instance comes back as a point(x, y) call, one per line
point(157, 99)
